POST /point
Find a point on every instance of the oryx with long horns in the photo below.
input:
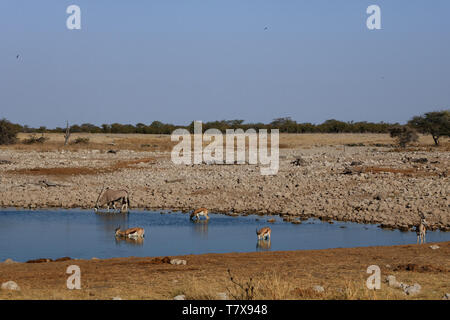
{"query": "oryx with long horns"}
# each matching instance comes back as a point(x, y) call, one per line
point(110, 197)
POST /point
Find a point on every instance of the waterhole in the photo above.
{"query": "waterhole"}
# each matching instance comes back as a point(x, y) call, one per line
point(83, 234)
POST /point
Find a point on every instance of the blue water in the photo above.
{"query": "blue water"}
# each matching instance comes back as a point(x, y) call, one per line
point(82, 234)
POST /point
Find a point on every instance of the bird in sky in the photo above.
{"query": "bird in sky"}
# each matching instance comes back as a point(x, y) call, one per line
point(266, 28)
point(17, 57)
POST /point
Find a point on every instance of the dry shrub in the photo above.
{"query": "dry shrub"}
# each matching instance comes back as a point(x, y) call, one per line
point(272, 286)
point(241, 290)
point(157, 260)
point(32, 139)
point(80, 140)
point(354, 144)
point(404, 135)
point(267, 286)
point(353, 291)
point(419, 268)
point(357, 290)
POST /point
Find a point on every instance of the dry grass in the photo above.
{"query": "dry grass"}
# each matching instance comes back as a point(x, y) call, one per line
point(293, 141)
point(292, 275)
point(266, 286)
point(163, 143)
point(69, 171)
point(197, 289)
point(407, 171)
point(97, 141)
point(444, 146)
point(273, 286)
point(410, 172)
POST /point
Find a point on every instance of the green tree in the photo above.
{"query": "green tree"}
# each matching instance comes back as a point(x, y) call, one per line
point(42, 129)
point(285, 124)
point(90, 128)
point(8, 132)
point(333, 126)
point(436, 123)
point(403, 134)
point(106, 128)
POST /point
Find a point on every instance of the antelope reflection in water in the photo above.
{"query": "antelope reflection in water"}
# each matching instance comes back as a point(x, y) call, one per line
point(109, 221)
point(201, 227)
point(263, 244)
point(130, 241)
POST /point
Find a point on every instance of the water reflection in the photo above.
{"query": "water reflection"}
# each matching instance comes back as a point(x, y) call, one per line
point(263, 245)
point(110, 221)
point(201, 228)
point(130, 241)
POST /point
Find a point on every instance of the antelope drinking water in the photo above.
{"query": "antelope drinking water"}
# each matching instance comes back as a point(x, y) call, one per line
point(110, 197)
point(421, 230)
point(264, 233)
point(199, 212)
point(130, 233)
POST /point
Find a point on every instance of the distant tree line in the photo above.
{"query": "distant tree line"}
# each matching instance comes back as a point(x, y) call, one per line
point(285, 125)
point(436, 123)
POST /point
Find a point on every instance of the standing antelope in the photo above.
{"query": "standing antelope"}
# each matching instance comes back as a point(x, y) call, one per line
point(199, 212)
point(110, 197)
point(421, 230)
point(130, 233)
point(264, 233)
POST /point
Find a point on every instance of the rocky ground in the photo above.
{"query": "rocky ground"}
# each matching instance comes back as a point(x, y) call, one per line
point(361, 184)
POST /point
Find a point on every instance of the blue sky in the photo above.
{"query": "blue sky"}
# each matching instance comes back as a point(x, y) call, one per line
point(178, 61)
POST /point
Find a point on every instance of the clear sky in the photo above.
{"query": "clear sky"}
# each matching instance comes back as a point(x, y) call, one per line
point(178, 61)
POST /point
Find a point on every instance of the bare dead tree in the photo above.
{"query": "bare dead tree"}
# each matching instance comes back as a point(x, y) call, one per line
point(67, 134)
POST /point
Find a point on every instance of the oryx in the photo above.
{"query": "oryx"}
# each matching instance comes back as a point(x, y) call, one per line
point(110, 197)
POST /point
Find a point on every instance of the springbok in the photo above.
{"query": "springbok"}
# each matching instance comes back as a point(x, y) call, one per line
point(199, 212)
point(130, 233)
point(421, 230)
point(263, 233)
point(110, 197)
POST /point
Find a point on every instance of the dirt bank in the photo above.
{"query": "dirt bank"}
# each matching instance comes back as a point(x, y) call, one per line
point(275, 275)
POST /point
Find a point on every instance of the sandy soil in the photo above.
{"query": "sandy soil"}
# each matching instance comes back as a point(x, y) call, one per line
point(275, 275)
point(347, 177)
